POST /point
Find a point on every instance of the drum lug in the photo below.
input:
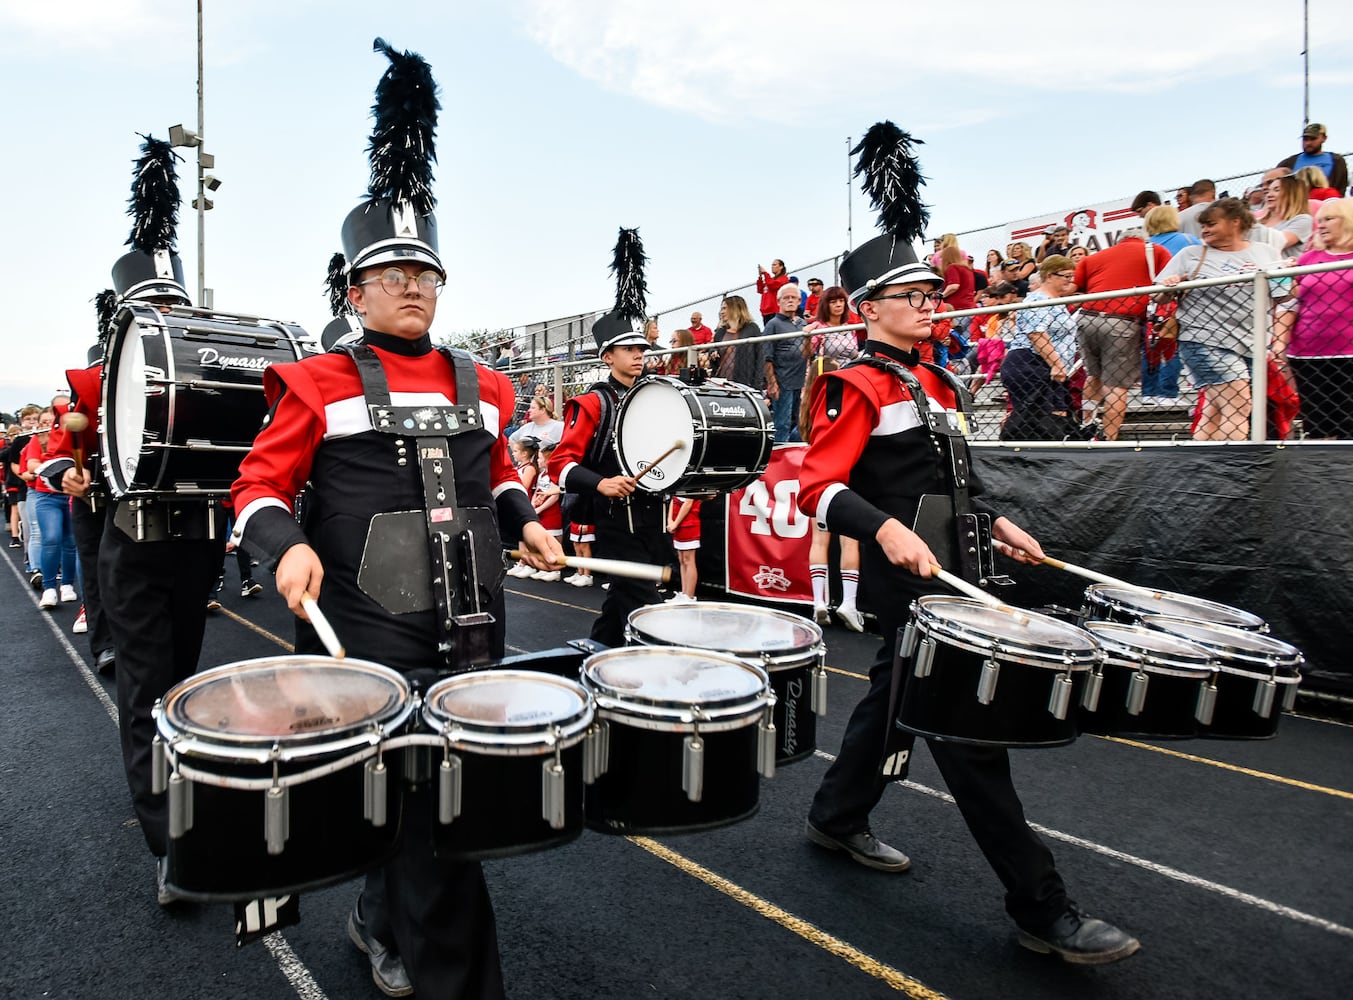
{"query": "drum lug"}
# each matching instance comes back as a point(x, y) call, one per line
point(765, 744)
point(1207, 703)
point(448, 789)
point(277, 818)
point(180, 805)
point(1290, 695)
point(1060, 700)
point(925, 654)
point(596, 751)
point(1263, 697)
point(159, 766)
point(375, 776)
point(552, 793)
point(693, 767)
point(1136, 694)
point(1093, 685)
point(908, 644)
point(818, 697)
point(986, 684)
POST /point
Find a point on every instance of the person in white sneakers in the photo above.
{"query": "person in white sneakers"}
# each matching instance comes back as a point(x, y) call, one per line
point(545, 500)
point(525, 453)
point(683, 524)
point(581, 532)
point(52, 507)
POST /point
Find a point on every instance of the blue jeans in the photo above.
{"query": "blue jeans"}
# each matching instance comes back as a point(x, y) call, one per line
point(1164, 381)
point(785, 411)
point(58, 538)
point(30, 516)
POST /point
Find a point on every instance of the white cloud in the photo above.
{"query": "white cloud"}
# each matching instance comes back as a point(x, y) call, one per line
point(728, 61)
point(95, 24)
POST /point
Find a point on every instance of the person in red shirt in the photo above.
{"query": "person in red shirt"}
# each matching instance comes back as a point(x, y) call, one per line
point(56, 550)
point(701, 333)
point(769, 283)
point(683, 524)
point(814, 297)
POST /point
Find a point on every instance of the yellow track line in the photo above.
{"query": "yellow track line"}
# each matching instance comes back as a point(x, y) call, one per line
point(259, 629)
point(1250, 772)
point(809, 932)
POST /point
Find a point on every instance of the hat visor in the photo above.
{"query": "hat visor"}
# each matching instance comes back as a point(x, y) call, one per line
point(903, 275)
point(159, 288)
point(625, 340)
point(398, 252)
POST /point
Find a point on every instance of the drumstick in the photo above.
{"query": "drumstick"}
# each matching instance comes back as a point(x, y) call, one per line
point(76, 423)
point(976, 593)
point(660, 459)
point(1089, 574)
point(323, 629)
point(614, 567)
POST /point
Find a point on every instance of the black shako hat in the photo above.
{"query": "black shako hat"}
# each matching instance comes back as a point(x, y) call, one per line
point(395, 223)
point(152, 268)
point(892, 179)
point(624, 325)
point(345, 327)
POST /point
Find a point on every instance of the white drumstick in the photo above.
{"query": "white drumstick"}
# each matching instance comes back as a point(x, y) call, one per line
point(323, 629)
point(976, 593)
point(1088, 574)
point(613, 567)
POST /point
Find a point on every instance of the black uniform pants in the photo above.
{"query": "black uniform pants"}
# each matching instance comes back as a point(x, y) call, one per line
point(87, 525)
point(978, 778)
point(155, 599)
point(644, 542)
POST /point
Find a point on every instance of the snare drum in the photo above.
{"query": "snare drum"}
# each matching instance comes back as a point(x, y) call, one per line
point(726, 427)
point(992, 676)
point(510, 773)
point(787, 647)
point(683, 738)
point(1257, 677)
point(276, 774)
point(1113, 603)
point(183, 397)
point(1150, 683)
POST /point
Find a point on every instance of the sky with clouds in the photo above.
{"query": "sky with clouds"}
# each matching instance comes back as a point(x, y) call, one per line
point(718, 127)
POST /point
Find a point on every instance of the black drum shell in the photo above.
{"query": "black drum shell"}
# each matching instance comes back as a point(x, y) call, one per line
point(500, 814)
point(1169, 711)
point(795, 720)
point(1234, 717)
point(641, 792)
point(224, 856)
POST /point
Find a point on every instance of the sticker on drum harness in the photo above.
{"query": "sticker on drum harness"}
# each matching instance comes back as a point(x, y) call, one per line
point(895, 765)
point(260, 917)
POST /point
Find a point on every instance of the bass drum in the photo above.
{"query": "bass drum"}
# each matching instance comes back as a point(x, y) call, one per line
point(725, 429)
point(183, 397)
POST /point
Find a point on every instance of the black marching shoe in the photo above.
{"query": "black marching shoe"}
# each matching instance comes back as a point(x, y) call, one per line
point(103, 663)
point(1079, 939)
point(387, 970)
point(164, 895)
point(250, 588)
point(863, 847)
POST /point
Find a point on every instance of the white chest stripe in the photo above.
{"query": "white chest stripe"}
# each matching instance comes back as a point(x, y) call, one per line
point(898, 417)
point(349, 416)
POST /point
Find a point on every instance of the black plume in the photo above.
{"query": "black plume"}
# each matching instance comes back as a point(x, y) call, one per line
point(154, 204)
point(336, 284)
point(631, 288)
point(105, 310)
point(892, 179)
point(403, 147)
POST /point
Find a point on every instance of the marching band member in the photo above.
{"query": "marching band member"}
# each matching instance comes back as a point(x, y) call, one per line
point(629, 520)
point(360, 423)
point(887, 432)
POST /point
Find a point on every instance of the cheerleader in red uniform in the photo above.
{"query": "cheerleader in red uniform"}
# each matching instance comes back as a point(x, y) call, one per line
point(545, 500)
point(683, 523)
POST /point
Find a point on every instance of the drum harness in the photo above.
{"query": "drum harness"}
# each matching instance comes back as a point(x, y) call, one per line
point(603, 447)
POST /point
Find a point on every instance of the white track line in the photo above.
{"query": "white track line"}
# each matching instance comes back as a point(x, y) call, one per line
point(1172, 873)
point(292, 968)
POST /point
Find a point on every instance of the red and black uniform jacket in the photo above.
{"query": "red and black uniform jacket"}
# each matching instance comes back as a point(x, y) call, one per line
point(86, 387)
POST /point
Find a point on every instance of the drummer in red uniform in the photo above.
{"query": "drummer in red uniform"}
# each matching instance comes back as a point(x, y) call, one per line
point(886, 452)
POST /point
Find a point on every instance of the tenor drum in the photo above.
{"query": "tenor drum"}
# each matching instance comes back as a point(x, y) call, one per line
point(789, 648)
point(183, 397)
point(683, 738)
point(1256, 681)
point(510, 770)
point(276, 774)
point(1149, 683)
point(725, 426)
point(992, 676)
point(1129, 605)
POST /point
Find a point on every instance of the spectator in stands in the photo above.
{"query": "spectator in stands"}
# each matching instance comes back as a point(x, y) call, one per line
point(1315, 179)
point(990, 352)
point(739, 364)
point(947, 240)
point(784, 366)
point(1038, 363)
point(1162, 225)
point(1254, 200)
point(678, 359)
point(994, 264)
point(833, 310)
point(958, 288)
point(814, 297)
point(701, 333)
point(1182, 199)
point(803, 295)
point(1144, 202)
point(1161, 364)
point(1111, 329)
point(1201, 194)
point(979, 278)
point(1313, 154)
point(1287, 208)
point(1320, 346)
point(1024, 254)
point(1015, 272)
point(1216, 323)
point(541, 423)
point(1056, 240)
point(545, 500)
point(526, 456)
point(769, 283)
point(1077, 254)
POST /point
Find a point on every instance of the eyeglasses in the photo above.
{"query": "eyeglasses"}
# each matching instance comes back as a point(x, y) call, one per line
point(1064, 275)
point(934, 298)
point(395, 281)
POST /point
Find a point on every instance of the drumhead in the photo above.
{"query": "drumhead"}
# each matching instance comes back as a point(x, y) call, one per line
point(284, 700)
point(506, 702)
point(1233, 647)
point(736, 629)
point(1156, 651)
point(1025, 633)
point(670, 681)
point(1162, 602)
point(127, 419)
point(653, 415)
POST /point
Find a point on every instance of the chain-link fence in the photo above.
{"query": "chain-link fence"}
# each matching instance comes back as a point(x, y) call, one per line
point(1246, 353)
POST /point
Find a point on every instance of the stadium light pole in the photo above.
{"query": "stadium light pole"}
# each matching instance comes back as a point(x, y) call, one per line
point(182, 137)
